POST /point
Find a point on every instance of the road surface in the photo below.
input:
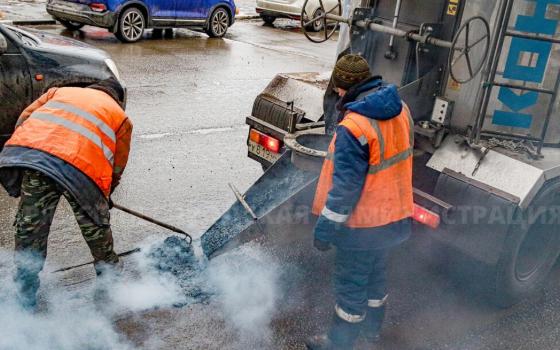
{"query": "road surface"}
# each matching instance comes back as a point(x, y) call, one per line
point(188, 99)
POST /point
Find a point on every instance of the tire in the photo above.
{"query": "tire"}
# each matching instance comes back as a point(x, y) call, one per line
point(157, 33)
point(317, 25)
point(531, 249)
point(131, 26)
point(71, 25)
point(218, 23)
point(268, 19)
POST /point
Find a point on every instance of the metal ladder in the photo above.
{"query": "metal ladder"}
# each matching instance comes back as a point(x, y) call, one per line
point(489, 82)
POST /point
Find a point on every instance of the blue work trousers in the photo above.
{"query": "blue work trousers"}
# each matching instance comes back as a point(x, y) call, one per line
point(359, 278)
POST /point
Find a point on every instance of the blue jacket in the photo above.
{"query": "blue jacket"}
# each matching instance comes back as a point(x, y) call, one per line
point(14, 159)
point(377, 100)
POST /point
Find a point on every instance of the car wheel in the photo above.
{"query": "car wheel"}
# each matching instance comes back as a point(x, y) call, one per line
point(70, 25)
point(218, 23)
point(131, 25)
point(532, 248)
point(318, 24)
point(268, 19)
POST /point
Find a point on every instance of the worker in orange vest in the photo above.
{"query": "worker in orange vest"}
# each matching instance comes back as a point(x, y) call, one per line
point(363, 199)
point(72, 142)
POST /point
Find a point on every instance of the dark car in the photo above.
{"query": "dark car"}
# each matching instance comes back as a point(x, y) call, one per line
point(129, 18)
point(31, 62)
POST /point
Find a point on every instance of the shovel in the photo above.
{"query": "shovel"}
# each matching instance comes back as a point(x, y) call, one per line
point(186, 237)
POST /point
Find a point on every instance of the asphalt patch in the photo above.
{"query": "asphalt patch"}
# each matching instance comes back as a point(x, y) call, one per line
point(175, 256)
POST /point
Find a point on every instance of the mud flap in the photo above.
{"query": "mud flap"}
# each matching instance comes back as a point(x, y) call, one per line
point(478, 225)
point(276, 187)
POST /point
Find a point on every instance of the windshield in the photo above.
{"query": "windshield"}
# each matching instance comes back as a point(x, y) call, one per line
point(26, 38)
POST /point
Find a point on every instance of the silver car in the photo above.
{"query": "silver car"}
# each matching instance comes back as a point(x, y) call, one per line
point(269, 10)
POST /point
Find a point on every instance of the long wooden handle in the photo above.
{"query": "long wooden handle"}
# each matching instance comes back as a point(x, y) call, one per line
point(152, 220)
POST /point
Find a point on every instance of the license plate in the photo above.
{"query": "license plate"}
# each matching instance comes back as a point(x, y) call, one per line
point(262, 152)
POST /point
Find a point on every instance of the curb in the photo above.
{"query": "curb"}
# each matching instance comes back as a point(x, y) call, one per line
point(29, 22)
point(37, 22)
point(246, 17)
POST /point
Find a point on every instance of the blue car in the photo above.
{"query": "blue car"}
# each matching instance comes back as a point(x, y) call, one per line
point(128, 19)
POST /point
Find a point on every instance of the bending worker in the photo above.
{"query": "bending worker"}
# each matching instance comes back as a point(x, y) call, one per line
point(363, 199)
point(72, 142)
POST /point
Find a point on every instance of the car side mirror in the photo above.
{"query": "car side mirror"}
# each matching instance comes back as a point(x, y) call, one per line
point(3, 45)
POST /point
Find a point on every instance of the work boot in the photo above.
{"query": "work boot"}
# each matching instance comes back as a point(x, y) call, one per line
point(28, 284)
point(110, 269)
point(107, 274)
point(320, 342)
point(371, 327)
point(341, 336)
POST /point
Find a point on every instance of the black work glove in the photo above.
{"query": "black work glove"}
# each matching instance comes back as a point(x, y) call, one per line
point(323, 234)
point(321, 246)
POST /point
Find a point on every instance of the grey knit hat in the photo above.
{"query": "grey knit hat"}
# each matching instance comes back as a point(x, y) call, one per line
point(349, 71)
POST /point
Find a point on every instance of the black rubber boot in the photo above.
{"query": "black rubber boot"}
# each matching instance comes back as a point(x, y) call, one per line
point(107, 275)
point(371, 327)
point(28, 284)
point(320, 342)
point(342, 336)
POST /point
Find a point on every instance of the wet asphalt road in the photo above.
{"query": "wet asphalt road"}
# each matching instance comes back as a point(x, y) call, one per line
point(188, 97)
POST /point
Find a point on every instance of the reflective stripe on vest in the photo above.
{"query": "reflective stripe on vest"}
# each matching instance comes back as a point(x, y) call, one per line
point(87, 116)
point(85, 132)
point(389, 162)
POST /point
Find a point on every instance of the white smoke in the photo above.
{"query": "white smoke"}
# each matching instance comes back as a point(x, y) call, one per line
point(70, 320)
point(149, 289)
point(246, 283)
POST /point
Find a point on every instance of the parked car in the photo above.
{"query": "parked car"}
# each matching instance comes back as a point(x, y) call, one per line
point(128, 19)
point(31, 62)
point(269, 10)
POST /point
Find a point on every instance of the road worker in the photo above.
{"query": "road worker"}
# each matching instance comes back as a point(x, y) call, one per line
point(363, 199)
point(72, 142)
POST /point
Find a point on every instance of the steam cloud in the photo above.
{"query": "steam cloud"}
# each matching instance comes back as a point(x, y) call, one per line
point(71, 321)
point(246, 283)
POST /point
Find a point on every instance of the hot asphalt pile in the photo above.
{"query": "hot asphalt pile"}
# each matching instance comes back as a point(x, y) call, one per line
point(175, 256)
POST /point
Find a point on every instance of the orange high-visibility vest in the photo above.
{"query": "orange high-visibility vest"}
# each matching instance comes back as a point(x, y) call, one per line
point(79, 126)
point(387, 193)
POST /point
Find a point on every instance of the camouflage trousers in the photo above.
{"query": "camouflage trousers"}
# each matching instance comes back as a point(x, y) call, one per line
point(39, 198)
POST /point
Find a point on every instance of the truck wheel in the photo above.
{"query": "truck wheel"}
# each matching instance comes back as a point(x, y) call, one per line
point(131, 25)
point(218, 23)
point(71, 25)
point(531, 248)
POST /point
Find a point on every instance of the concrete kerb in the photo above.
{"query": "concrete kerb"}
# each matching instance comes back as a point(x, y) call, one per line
point(242, 17)
point(30, 22)
point(37, 22)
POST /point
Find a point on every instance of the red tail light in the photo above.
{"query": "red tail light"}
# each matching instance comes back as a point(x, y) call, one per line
point(268, 142)
point(426, 217)
point(97, 7)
